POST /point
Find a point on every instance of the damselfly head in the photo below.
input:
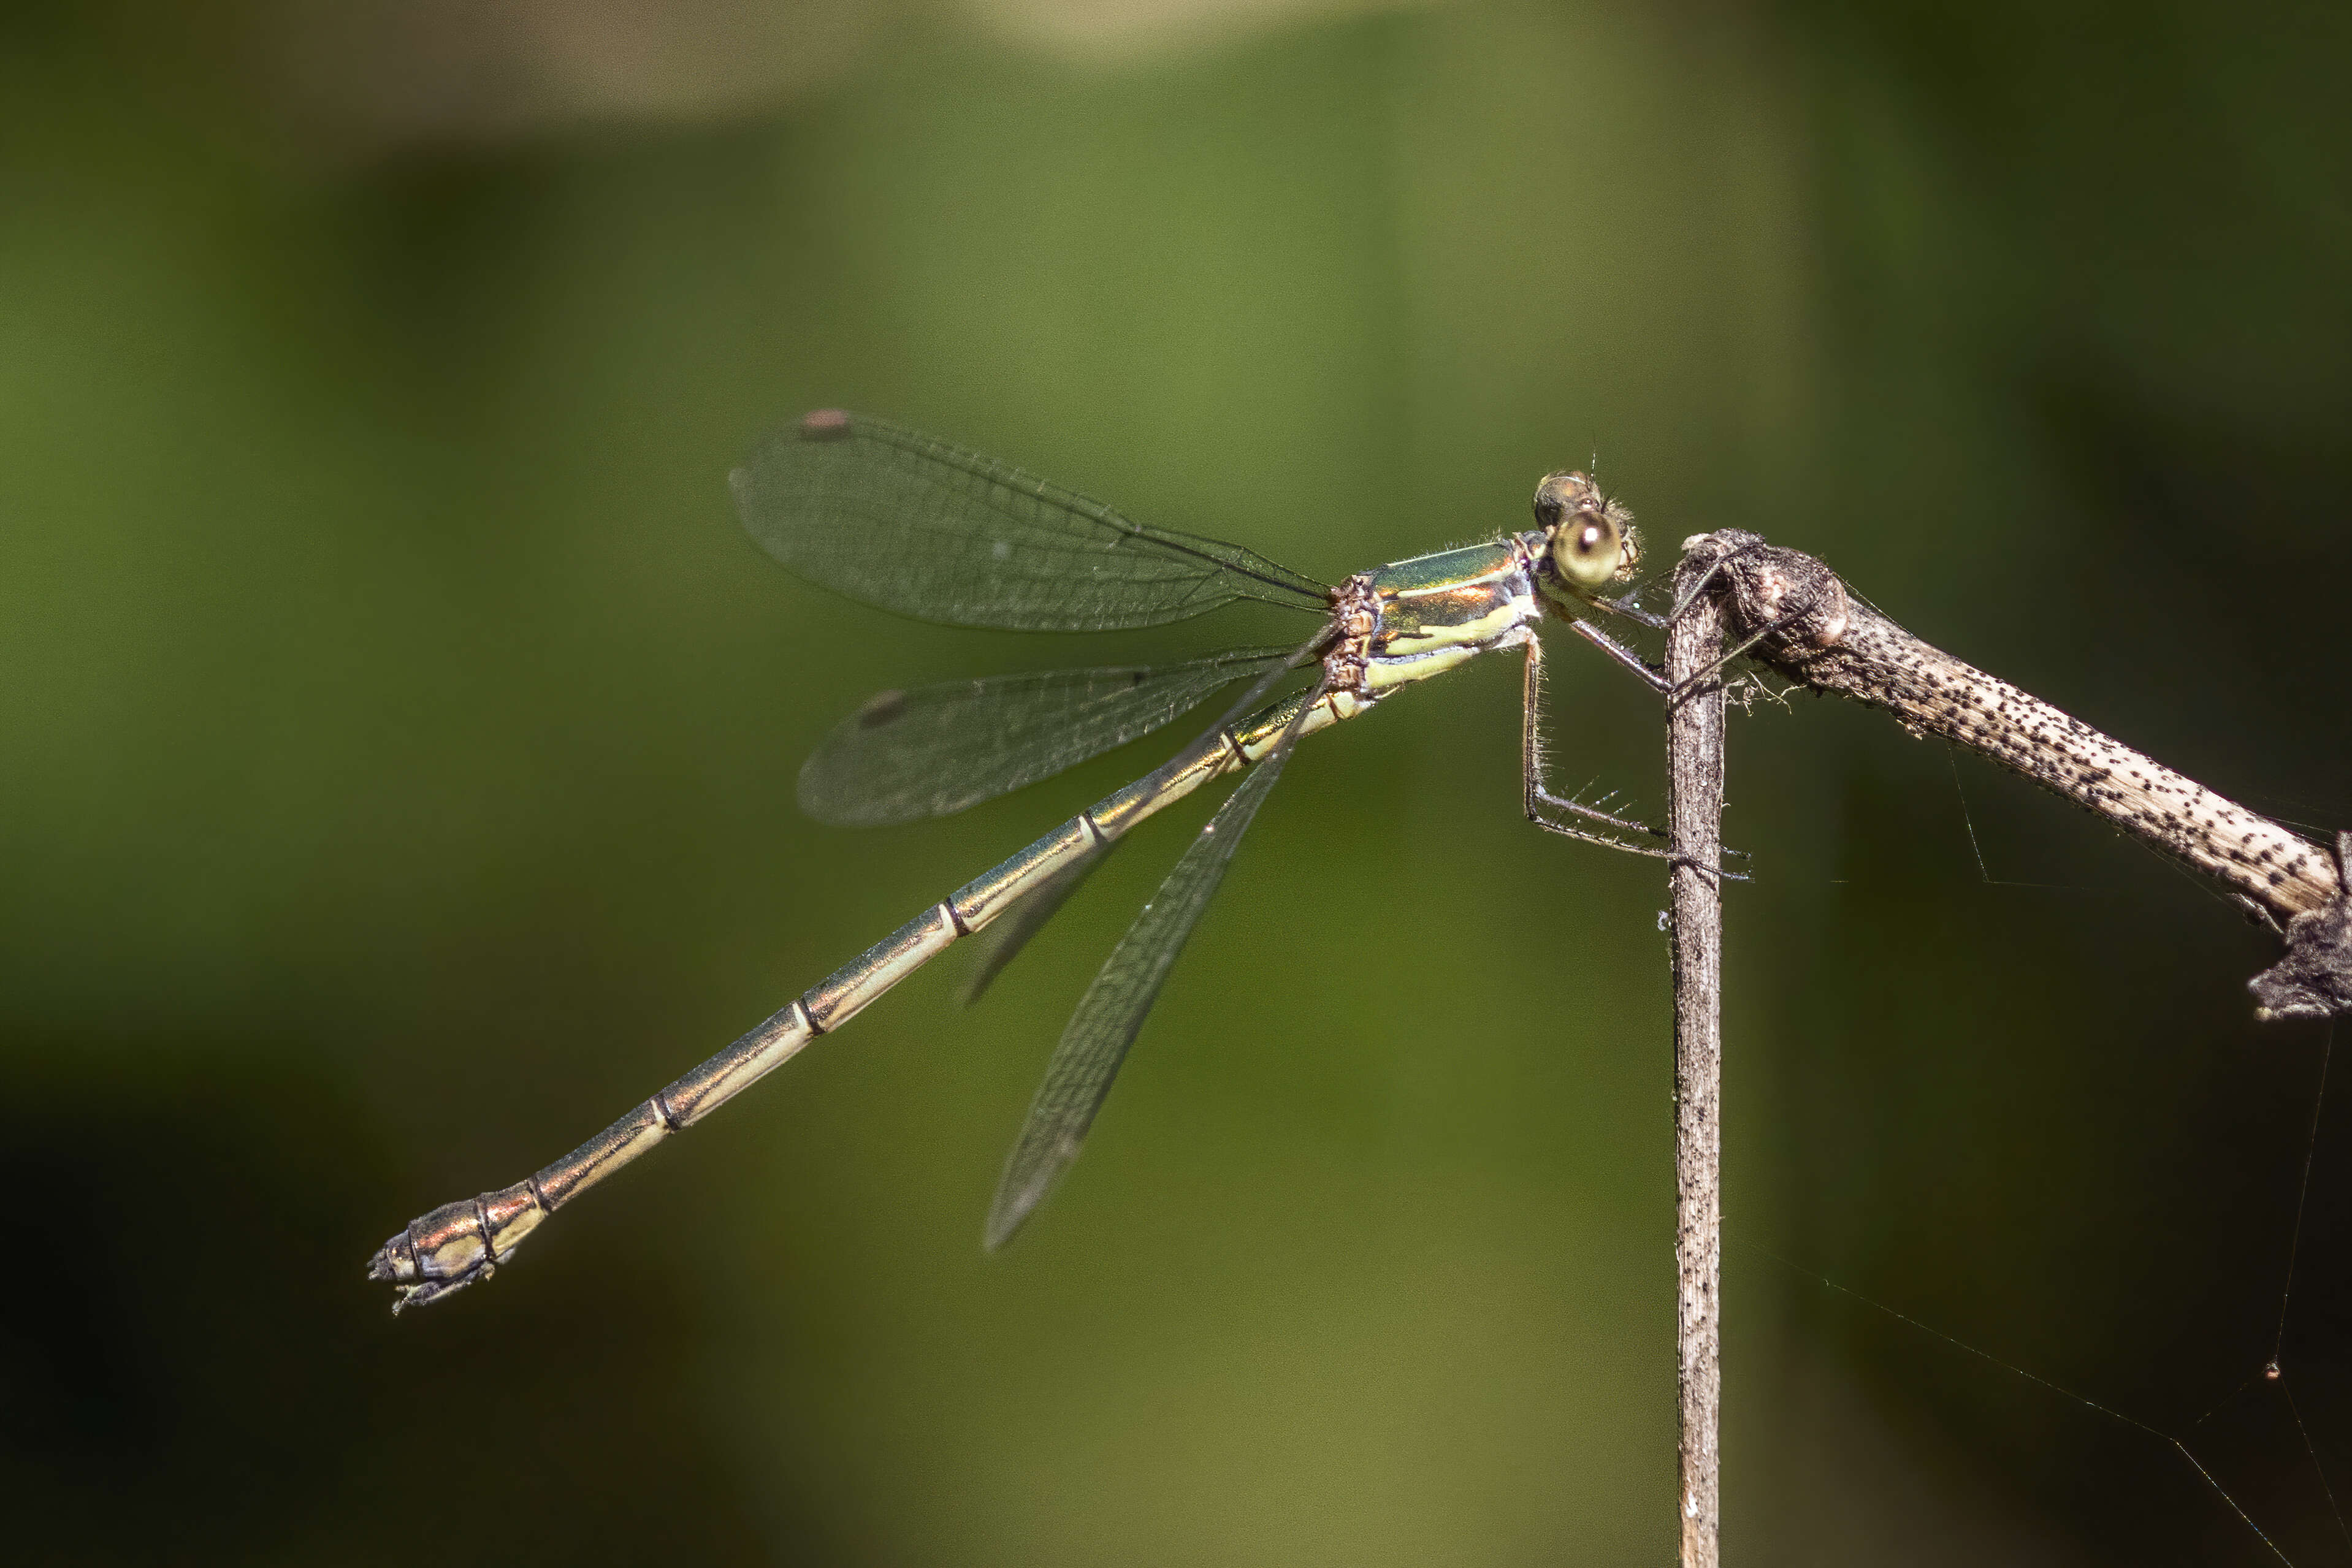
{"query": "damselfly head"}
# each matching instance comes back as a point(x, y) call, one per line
point(1591, 540)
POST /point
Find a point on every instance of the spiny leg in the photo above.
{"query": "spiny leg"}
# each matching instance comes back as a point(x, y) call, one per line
point(1623, 605)
point(1540, 800)
point(1621, 654)
point(1542, 805)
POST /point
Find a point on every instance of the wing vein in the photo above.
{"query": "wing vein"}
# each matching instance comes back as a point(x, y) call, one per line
point(938, 749)
point(909, 523)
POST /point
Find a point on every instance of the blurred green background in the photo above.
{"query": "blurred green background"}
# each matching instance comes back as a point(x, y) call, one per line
point(399, 740)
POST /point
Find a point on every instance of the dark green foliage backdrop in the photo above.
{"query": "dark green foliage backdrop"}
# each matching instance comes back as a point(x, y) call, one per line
point(398, 738)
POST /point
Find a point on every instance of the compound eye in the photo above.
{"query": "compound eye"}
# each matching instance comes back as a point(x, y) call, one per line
point(1558, 495)
point(1587, 550)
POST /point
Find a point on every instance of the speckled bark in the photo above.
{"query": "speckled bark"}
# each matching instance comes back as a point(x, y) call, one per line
point(1805, 626)
point(1694, 836)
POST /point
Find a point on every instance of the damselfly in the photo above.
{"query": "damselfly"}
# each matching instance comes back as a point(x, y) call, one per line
point(909, 524)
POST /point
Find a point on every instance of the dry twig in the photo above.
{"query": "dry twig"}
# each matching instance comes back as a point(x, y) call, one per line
point(1695, 829)
point(1791, 613)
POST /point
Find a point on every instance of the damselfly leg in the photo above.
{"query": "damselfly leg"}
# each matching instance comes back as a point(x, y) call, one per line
point(1545, 809)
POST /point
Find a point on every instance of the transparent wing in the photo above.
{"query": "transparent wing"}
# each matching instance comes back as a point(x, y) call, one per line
point(1114, 1005)
point(906, 523)
point(937, 750)
point(1003, 940)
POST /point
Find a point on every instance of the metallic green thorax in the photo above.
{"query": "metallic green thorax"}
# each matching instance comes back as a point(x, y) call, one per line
point(1414, 619)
